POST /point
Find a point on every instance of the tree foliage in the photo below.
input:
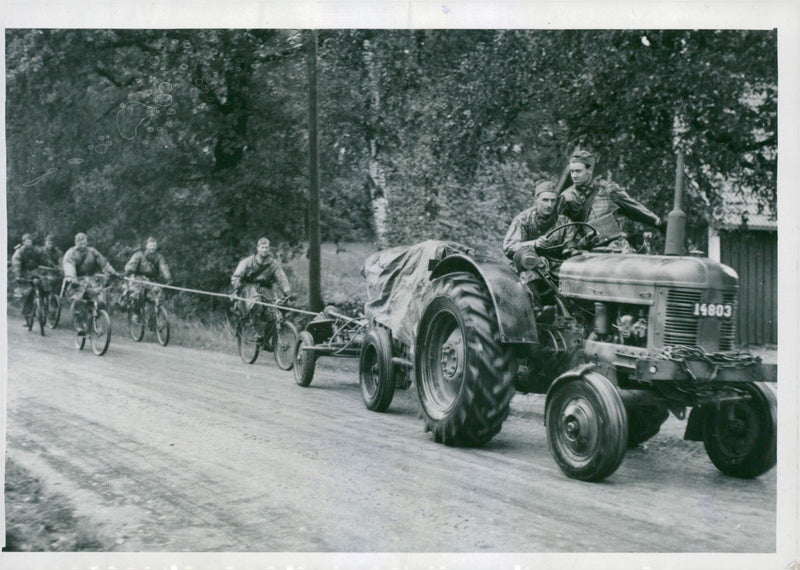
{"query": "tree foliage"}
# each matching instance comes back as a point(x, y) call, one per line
point(200, 136)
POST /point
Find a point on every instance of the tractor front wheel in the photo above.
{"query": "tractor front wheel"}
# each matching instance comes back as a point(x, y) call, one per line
point(587, 429)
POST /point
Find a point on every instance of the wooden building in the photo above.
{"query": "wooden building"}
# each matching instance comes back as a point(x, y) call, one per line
point(751, 248)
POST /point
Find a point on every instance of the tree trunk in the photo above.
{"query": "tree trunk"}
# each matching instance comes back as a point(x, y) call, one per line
point(379, 199)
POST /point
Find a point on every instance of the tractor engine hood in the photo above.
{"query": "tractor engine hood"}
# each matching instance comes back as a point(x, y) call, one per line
point(633, 278)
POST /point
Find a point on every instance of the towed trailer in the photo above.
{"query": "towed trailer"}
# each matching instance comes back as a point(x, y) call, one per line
point(332, 333)
point(382, 339)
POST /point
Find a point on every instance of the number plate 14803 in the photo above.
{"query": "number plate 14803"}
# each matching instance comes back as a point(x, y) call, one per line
point(721, 310)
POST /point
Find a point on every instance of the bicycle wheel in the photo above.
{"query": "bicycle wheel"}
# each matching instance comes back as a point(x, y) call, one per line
point(162, 325)
point(79, 333)
point(29, 317)
point(39, 311)
point(101, 332)
point(285, 345)
point(136, 322)
point(53, 310)
point(247, 340)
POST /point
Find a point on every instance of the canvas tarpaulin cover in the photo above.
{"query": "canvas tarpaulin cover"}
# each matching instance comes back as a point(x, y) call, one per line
point(397, 281)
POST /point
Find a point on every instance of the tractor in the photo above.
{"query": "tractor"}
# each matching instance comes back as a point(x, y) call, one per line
point(617, 342)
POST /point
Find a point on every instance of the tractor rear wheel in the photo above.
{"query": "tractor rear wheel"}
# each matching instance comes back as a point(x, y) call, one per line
point(464, 374)
point(740, 435)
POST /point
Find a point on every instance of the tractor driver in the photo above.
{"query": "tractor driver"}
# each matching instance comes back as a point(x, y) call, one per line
point(600, 203)
point(528, 231)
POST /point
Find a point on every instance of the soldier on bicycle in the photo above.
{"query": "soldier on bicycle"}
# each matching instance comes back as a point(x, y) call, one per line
point(81, 262)
point(254, 275)
point(24, 265)
point(52, 256)
point(145, 265)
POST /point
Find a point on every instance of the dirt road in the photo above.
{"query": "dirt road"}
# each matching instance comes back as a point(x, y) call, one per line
point(172, 449)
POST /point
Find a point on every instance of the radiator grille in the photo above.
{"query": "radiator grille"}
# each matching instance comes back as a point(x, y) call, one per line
point(680, 326)
point(727, 336)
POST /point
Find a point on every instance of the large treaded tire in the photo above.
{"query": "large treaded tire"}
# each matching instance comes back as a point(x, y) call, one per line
point(740, 436)
point(587, 428)
point(464, 374)
point(376, 371)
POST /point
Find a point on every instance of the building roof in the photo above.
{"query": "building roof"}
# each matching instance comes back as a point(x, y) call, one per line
point(743, 209)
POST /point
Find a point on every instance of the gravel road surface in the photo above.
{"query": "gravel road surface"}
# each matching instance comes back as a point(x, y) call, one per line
point(176, 449)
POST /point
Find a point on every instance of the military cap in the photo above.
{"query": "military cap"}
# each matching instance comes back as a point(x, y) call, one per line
point(544, 186)
point(584, 157)
point(263, 241)
point(27, 237)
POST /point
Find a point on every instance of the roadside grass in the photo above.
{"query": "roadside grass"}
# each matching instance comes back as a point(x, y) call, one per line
point(342, 285)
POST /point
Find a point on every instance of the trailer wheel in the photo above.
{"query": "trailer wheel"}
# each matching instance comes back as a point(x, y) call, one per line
point(376, 371)
point(304, 360)
point(740, 435)
point(464, 375)
point(587, 430)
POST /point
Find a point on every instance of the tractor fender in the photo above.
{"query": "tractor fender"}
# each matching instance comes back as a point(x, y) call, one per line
point(579, 371)
point(513, 302)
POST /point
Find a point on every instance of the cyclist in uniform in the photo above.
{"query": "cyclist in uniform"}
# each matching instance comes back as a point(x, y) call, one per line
point(147, 265)
point(52, 256)
point(254, 275)
point(81, 263)
point(24, 265)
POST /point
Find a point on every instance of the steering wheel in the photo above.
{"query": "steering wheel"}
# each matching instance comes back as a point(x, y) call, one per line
point(567, 225)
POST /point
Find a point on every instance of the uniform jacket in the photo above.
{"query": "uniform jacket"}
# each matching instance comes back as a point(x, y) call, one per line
point(79, 263)
point(529, 225)
point(151, 266)
point(603, 201)
point(53, 256)
point(26, 260)
point(265, 273)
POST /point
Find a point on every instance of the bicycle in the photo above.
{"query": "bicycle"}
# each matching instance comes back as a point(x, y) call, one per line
point(148, 312)
point(38, 312)
point(94, 322)
point(276, 335)
point(53, 299)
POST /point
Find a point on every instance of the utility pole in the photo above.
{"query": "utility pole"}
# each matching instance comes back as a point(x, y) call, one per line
point(314, 257)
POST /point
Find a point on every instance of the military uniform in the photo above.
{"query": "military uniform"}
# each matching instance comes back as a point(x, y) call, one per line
point(52, 257)
point(79, 265)
point(255, 276)
point(24, 264)
point(149, 266)
point(529, 225)
point(600, 204)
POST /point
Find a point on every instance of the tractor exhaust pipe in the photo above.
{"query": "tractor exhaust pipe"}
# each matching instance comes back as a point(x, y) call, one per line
point(676, 220)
